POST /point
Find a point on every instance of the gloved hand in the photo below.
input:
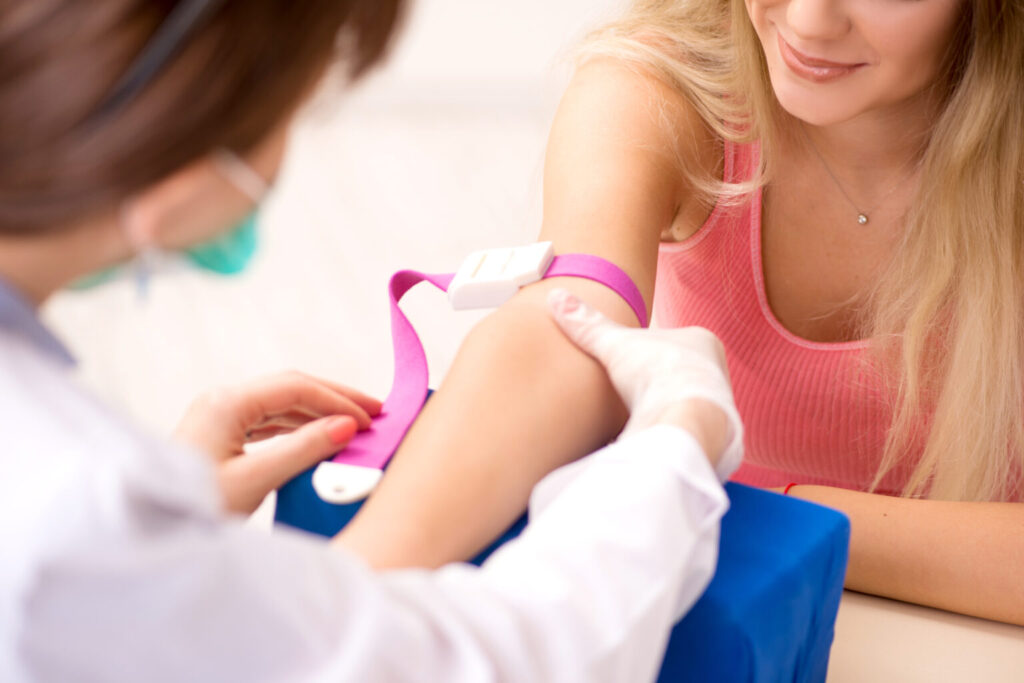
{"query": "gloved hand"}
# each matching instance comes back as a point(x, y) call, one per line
point(314, 419)
point(664, 376)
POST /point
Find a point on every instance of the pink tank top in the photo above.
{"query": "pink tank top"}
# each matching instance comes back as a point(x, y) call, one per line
point(813, 412)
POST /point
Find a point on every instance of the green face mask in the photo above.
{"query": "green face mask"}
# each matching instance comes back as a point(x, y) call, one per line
point(232, 252)
point(229, 254)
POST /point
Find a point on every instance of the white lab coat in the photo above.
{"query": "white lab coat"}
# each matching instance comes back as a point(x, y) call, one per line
point(117, 563)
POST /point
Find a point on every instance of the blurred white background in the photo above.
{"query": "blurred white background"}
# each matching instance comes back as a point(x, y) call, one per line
point(438, 153)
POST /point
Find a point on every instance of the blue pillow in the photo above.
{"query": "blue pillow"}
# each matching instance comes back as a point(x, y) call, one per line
point(769, 612)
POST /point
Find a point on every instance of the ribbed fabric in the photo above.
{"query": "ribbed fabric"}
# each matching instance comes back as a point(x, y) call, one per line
point(813, 412)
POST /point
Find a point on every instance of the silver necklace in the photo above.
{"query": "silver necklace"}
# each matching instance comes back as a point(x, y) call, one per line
point(862, 216)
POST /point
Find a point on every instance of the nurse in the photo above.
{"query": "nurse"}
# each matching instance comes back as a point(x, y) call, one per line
point(128, 125)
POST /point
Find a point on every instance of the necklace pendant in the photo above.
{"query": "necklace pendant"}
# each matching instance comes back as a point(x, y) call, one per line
point(862, 218)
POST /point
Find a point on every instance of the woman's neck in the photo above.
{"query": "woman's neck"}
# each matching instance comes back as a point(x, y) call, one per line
point(878, 141)
point(40, 265)
point(871, 153)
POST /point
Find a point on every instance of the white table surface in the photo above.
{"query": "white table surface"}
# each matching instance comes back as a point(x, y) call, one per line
point(879, 640)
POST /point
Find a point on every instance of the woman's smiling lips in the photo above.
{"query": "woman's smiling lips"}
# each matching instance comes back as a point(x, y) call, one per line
point(811, 68)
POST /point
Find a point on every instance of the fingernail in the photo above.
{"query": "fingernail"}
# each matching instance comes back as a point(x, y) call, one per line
point(341, 429)
point(562, 301)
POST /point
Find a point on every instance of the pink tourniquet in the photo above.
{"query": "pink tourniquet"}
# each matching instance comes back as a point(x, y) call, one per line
point(374, 447)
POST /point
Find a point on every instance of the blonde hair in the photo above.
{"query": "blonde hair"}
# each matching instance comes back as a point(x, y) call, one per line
point(947, 316)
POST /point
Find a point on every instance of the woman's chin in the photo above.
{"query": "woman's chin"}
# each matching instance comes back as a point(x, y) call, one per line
point(816, 108)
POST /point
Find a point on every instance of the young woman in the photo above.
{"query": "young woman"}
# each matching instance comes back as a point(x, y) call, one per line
point(836, 189)
point(129, 124)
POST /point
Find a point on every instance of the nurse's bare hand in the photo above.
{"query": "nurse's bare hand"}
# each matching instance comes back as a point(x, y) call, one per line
point(665, 376)
point(313, 419)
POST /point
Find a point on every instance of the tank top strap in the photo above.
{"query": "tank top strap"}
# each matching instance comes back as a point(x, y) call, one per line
point(744, 218)
point(741, 160)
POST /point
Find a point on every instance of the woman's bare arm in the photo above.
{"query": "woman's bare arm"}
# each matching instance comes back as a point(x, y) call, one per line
point(961, 557)
point(520, 400)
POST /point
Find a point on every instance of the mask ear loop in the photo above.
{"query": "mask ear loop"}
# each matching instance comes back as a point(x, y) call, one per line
point(241, 174)
point(140, 239)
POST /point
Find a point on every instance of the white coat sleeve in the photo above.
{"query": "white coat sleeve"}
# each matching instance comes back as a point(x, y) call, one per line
point(619, 546)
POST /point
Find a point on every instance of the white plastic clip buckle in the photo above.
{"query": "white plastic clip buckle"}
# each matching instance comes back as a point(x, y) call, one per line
point(491, 277)
point(339, 483)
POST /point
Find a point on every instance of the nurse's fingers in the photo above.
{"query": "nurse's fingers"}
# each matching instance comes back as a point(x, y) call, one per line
point(289, 392)
point(584, 326)
point(364, 401)
point(295, 391)
point(278, 424)
point(265, 432)
point(247, 479)
point(221, 422)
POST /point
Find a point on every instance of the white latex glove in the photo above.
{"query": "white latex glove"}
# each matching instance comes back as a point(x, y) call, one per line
point(655, 370)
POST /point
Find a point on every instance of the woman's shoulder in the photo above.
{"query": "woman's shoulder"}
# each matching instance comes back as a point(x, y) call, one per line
point(619, 105)
point(655, 110)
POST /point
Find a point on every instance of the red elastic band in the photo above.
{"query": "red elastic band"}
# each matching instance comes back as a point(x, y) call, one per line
point(790, 485)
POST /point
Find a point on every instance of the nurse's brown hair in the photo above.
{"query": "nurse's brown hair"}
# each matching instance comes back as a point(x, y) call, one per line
point(64, 156)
